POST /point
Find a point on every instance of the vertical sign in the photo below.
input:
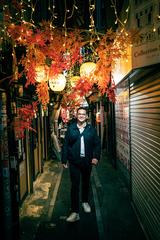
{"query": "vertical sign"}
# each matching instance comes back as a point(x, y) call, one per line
point(122, 124)
point(5, 193)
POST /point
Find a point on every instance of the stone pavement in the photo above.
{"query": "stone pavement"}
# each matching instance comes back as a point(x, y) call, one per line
point(35, 208)
point(43, 214)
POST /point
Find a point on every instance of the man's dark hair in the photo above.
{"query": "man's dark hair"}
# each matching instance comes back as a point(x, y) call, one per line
point(82, 108)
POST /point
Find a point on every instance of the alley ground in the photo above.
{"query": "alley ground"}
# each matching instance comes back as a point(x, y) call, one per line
point(43, 214)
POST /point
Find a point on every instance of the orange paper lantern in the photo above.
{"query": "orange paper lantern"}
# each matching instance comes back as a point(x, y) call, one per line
point(74, 80)
point(41, 74)
point(57, 83)
point(87, 69)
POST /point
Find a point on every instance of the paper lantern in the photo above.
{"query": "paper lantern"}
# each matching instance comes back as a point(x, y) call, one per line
point(74, 80)
point(41, 74)
point(87, 68)
point(98, 117)
point(65, 115)
point(57, 83)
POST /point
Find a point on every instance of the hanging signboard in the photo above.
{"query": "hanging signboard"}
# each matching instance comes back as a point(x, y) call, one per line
point(146, 48)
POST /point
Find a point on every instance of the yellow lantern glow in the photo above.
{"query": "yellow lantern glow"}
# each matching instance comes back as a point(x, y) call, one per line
point(74, 80)
point(87, 69)
point(98, 117)
point(41, 74)
point(57, 83)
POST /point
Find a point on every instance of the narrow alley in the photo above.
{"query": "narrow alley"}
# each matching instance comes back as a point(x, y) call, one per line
point(80, 97)
point(43, 214)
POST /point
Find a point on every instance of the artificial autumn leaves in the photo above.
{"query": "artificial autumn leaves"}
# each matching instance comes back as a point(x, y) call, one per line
point(60, 52)
point(24, 118)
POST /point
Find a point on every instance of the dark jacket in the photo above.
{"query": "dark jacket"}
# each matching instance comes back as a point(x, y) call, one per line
point(71, 145)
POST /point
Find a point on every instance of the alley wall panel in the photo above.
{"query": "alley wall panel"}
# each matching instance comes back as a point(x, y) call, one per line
point(145, 152)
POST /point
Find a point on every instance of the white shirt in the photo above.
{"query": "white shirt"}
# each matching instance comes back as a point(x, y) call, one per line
point(82, 146)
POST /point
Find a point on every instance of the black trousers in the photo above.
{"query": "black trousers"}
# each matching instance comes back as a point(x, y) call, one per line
point(80, 175)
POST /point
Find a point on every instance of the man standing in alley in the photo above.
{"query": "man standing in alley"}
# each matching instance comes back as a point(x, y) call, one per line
point(80, 151)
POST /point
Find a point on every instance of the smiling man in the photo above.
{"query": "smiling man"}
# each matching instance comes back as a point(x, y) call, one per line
point(80, 151)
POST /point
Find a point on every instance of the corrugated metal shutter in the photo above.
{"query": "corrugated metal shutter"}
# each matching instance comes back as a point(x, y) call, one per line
point(145, 151)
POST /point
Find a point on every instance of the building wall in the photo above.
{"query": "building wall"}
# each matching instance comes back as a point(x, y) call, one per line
point(145, 149)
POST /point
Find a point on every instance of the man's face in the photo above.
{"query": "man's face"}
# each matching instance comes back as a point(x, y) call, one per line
point(81, 116)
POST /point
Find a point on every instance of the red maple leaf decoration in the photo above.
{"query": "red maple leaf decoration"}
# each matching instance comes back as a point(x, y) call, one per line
point(83, 86)
point(23, 121)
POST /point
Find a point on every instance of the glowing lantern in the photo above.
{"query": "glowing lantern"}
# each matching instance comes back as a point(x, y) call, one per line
point(65, 115)
point(57, 83)
point(87, 68)
point(74, 80)
point(41, 74)
point(98, 117)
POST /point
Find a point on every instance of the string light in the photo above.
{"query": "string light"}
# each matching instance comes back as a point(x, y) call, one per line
point(91, 12)
point(127, 9)
point(116, 14)
point(65, 20)
point(53, 14)
point(33, 6)
point(154, 29)
point(22, 10)
point(73, 8)
point(93, 35)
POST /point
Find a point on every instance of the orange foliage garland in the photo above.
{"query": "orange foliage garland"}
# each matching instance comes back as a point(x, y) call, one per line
point(59, 51)
point(43, 94)
point(83, 86)
point(24, 119)
point(52, 47)
point(112, 46)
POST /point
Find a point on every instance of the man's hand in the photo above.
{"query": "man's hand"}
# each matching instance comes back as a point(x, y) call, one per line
point(65, 165)
point(94, 161)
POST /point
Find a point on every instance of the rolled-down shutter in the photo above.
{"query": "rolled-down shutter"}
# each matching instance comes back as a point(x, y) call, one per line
point(145, 152)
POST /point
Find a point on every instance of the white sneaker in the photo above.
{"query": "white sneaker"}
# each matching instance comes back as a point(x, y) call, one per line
point(73, 217)
point(86, 207)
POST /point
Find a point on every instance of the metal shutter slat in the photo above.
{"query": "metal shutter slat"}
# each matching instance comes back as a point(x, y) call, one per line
point(145, 152)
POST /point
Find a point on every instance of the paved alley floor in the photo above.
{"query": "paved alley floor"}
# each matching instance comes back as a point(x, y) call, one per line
point(43, 214)
point(58, 228)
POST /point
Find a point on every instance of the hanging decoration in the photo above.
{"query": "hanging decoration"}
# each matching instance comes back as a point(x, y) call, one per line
point(50, 51)
point(87, 69)
point(42, 91)
point(73, 80)
point(83, 86)
point(57, 83)
point(64, 115)
point(24, 119)
point(41, 74)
